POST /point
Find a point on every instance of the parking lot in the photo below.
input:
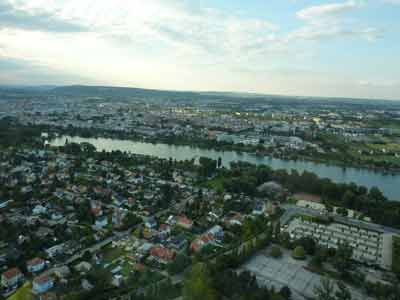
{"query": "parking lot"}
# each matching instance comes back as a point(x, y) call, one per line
point(287, 271)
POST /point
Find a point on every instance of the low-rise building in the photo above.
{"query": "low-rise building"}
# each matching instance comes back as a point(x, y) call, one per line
point(12, 277)
point(42, 284)
point(35, 265)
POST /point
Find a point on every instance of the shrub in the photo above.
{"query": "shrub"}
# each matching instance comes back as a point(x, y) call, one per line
point(299, 253)
point(276, 252)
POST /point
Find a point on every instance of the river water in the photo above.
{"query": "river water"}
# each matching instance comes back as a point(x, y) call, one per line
point(388, 184)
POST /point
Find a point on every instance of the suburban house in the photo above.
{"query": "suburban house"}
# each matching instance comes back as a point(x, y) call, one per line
point(202, 241)
point(151, 223)
point(184, 222)
point(42, 284)
point(213, 235)
point(35, 265)
point(178, 243)
point(12, 277)
point(162, 255)
point(101, 222)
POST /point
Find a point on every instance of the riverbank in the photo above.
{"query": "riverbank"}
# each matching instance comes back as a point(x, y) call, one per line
point(206, 144)
point(387, 183)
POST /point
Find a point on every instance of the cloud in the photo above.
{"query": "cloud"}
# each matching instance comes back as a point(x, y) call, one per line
point(328, 21)
point(172, 44)
point(29, 72)
point(14, 17)
point(395, 2)
point(317, 12)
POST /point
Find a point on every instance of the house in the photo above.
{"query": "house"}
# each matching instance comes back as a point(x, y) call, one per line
point(12, 277)
point(44, 232)
point(184, 222)
point(178, 243)
point(48, 296)
point(118, 217)
point(101, 222)
point(35, 265)
point(164, 230)
point(96, 209)
point(83, 267)
point(62, 272)
point(162, 255)
point(259, 208)
point(39, 209)
point(202, 241)
point(55, 250)
point(217, 232)
point(151, 223)
point(86, 285)
point(42, 284)
point(234, 218)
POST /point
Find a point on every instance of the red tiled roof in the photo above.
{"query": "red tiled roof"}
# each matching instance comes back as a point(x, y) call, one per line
point(41, 279)
point(164, 227)
point(162, 253)
point(34, 262)
point(11, 273)
point(185, 220)
point(139, 267)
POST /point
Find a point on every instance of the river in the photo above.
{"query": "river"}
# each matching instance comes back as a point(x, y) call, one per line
point(388, 184)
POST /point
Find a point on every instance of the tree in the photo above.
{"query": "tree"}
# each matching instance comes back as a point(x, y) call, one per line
point(87, 256)
point(376, 195)
point(342, 211)
point(286, 293)
point(342, 259)
point(348, 199)
point(276, 252)
point(284, 240)
point(325, 291)
point(277, 230)
point(219, 163)
point(342, 293)
point(179, 264)
point(207, 166)
point(299, 253)
point(198, 285)
point(307, 243)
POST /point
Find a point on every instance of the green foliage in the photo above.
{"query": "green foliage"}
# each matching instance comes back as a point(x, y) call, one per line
point(396, 255)
point(307, 243)
point(275, 252)
point(180, 263)
point(343, 258)
point(325, 291)
point(198, 284)
point(286, 293)
point(208, 166)
point(299, 253)
point(242, 286)
point(343, 292)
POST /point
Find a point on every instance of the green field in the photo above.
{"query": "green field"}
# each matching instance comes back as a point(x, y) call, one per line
point(23, 293)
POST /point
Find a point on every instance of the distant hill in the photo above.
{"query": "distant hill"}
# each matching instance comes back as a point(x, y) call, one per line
point(110, 93)
point(127, 93)
point(107, 91)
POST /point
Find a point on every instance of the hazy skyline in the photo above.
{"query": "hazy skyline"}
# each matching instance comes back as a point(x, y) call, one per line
point(294, 47)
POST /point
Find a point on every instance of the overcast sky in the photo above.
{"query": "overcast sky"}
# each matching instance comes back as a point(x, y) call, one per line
point(293, 47)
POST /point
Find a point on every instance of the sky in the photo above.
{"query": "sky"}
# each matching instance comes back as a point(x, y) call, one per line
point(289, 47)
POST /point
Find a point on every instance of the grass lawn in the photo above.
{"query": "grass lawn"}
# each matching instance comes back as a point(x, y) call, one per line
point(111, 254)
point(23, 293)
point(217, 184)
